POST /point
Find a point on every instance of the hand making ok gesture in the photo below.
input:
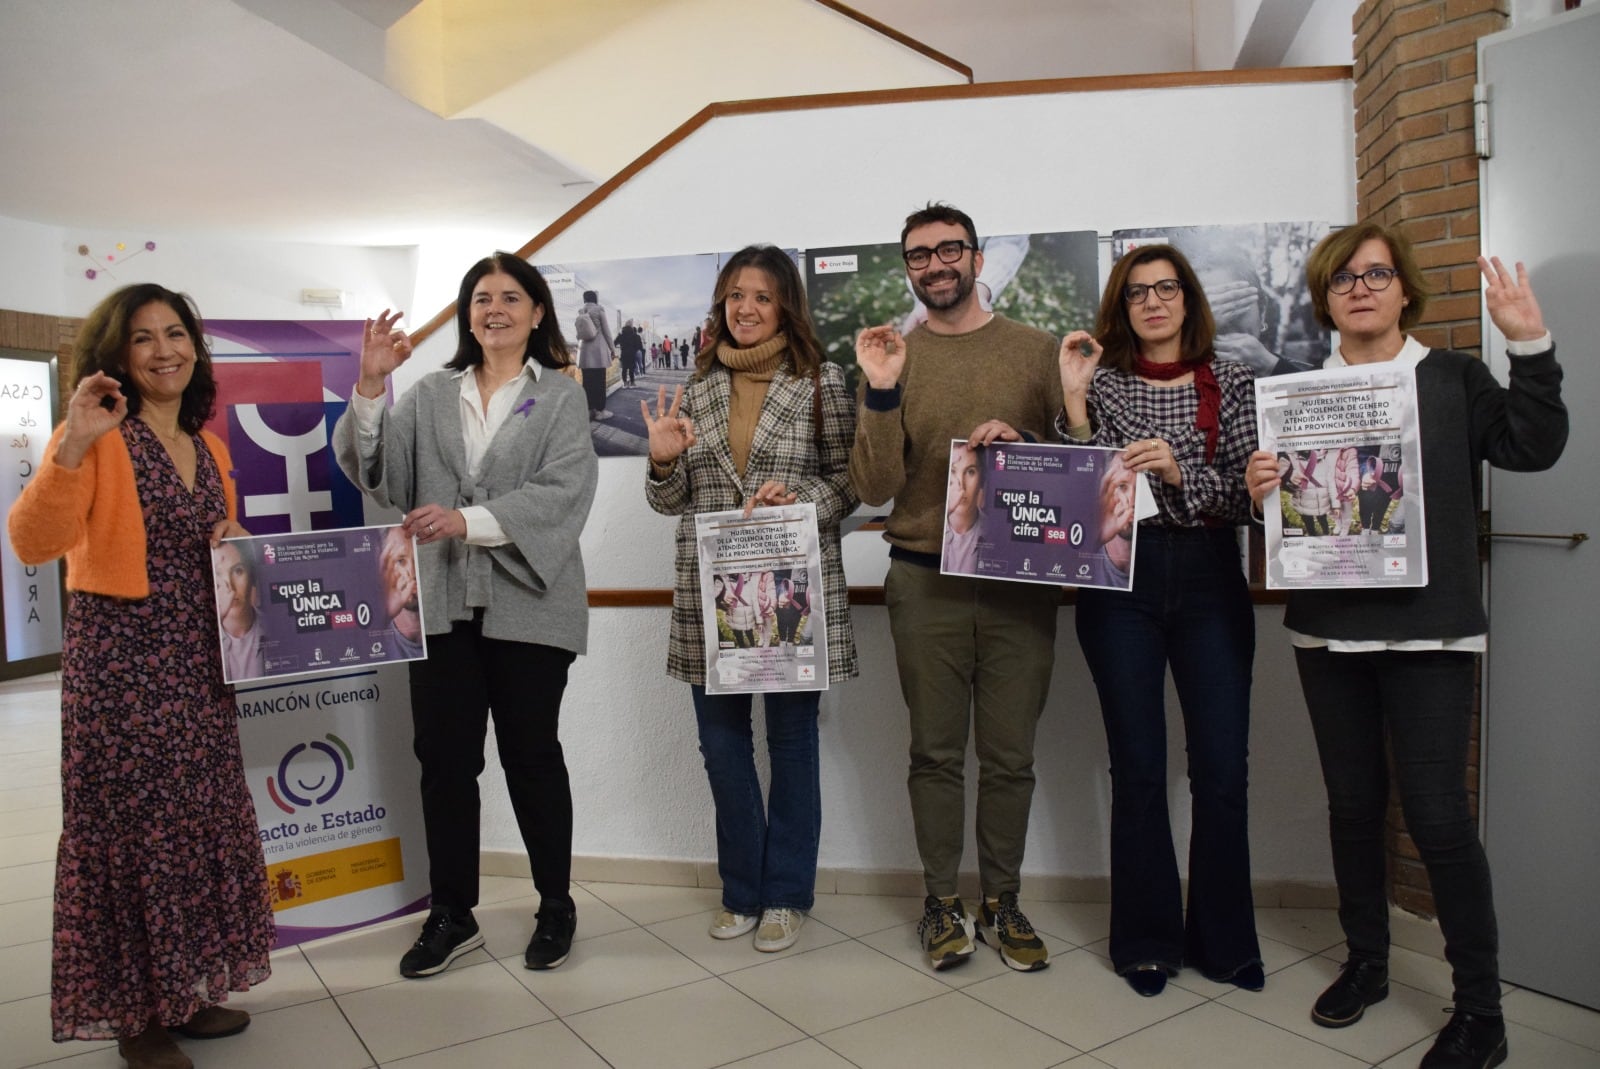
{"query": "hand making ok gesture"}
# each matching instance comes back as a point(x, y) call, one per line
point(670, 433)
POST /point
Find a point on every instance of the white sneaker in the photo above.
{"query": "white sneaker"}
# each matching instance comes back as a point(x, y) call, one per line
point(779, 929)
point(730, 925)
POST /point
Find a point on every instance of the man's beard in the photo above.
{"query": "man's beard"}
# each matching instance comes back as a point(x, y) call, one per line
point(953, 297)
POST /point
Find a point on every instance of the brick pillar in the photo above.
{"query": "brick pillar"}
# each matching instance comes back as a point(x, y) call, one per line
point(1415, 65)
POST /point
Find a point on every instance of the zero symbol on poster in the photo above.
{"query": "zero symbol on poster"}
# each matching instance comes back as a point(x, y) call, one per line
point(363, 614)
point(1077, 534)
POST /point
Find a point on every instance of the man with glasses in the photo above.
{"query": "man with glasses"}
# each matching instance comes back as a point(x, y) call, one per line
point(969, 651)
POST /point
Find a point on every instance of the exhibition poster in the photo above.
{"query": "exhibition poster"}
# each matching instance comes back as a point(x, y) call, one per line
point(328, 755)
point(761, 600)
point(317, 602)
point(1030, 513)
point(1348, 512)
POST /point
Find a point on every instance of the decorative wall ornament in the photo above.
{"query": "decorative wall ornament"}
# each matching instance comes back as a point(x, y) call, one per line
point(118, 255)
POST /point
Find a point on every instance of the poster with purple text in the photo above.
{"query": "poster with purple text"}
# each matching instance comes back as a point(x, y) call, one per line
point(324, 600)
point(1064, 514)
point(328, 755)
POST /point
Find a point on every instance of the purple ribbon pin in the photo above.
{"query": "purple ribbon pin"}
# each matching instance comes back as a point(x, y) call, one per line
point(524, 408)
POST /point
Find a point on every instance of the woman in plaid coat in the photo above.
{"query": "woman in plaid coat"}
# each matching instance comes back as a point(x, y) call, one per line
point(765, 421)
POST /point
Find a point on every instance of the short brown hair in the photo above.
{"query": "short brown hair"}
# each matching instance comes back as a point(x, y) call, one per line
point(1335, 250)
point(102, 345)
point(1114, 329)
point(936, 212)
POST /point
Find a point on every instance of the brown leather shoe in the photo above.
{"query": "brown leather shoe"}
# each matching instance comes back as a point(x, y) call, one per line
point(214, 1022)
point(153, 1049)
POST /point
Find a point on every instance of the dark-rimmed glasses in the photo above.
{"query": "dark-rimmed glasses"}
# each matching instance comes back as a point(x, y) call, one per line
point(1377, 279)
point(947, 251)
point(1166, 289)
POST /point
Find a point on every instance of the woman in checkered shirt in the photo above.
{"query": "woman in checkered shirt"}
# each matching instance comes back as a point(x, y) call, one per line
point(1148, 382)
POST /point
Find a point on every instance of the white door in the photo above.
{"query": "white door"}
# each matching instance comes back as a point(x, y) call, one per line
point(1541, 735)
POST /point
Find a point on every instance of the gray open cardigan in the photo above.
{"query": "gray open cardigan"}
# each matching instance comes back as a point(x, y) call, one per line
point(537, 478)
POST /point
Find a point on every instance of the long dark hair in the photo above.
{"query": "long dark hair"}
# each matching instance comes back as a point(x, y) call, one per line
point(545, 343)
point(102, 345)
point(1114, 329)
point(794, 316)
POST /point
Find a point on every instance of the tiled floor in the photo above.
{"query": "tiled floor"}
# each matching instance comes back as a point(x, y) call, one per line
point(646, 988)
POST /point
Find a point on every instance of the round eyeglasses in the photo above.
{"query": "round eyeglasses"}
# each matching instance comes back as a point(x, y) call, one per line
point(1377, 279)
point(947, 251)
point(1166, 289)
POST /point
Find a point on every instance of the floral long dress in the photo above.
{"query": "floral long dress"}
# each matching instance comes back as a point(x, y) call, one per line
point(161, 901)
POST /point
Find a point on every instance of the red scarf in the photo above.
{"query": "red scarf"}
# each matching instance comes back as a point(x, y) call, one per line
point(1208, 418)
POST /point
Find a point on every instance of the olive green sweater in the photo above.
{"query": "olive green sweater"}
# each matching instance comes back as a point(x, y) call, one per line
point(951, 384)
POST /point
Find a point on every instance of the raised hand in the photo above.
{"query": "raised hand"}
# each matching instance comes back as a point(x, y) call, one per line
point(1080, 355)
point(1510, 301)
point(881, 352)
point(383, 348)
point(89, 416)
point(670, 433)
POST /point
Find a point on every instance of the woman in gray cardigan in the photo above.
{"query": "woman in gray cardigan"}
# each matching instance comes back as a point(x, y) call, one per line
point(491, 461)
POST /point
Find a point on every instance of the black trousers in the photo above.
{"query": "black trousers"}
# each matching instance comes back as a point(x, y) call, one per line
point(1422, 703)
point(465, 679)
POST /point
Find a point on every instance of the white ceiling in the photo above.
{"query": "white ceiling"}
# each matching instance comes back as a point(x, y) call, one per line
point(184, 116)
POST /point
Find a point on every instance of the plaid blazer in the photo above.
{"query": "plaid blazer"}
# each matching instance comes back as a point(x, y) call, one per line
point(784, 448)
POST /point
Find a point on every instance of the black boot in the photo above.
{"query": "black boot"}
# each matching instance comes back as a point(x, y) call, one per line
point(1362, 983)
point(1469, 1041)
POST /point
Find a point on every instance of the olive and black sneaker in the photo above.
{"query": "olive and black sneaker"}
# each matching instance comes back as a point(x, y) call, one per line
point(1002, 925)
point(946, 931)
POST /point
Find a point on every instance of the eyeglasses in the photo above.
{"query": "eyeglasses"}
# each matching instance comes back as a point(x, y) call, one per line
point(1376, 278)
point(948, 251)
point(1166, 289)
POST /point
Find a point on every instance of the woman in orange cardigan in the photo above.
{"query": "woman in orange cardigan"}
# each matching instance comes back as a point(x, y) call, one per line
point(161, 903)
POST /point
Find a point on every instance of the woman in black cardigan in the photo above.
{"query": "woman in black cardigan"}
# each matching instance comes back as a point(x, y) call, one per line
point(1399, 663)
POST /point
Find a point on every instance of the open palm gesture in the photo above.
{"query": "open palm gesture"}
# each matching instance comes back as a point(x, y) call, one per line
point(1510, 301)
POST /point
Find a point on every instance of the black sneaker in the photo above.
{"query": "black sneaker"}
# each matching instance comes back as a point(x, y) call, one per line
point(1362, 983)
point(552, 937)
point(1469, 1041)
point(446, 935)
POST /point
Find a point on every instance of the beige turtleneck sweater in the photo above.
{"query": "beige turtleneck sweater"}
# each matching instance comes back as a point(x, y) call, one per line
point(751, 371)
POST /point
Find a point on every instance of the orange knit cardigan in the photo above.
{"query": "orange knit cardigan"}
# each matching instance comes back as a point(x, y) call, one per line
point(91, 514)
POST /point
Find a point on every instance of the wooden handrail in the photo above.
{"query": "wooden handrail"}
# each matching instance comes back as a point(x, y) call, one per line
point(899, 38)
point(916, 94)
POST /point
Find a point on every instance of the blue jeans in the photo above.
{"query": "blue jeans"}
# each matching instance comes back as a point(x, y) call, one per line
point(1189, 608)
point(1420, 704)
point(766, 853)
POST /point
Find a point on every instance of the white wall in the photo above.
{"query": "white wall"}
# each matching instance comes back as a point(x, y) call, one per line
point(1055, 162)
point(1033, 163)
point(1326, 37)
point(42, 272)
